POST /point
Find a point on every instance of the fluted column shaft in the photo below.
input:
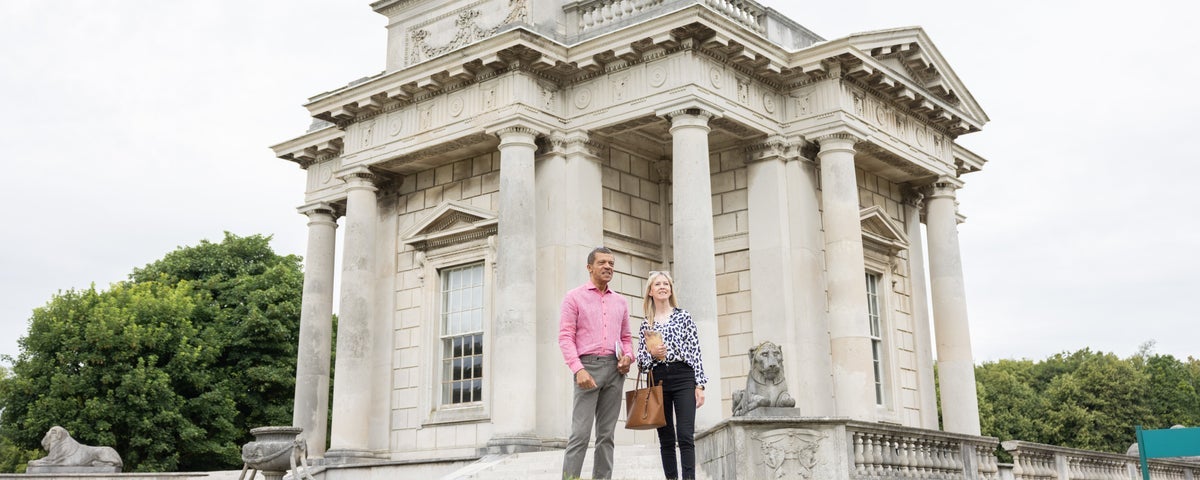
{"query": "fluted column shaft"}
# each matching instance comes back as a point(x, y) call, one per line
point(311, 408)
point(956, 367)
point(850, 341)
point(692, 236)
point(514, 334)
point(352, 382)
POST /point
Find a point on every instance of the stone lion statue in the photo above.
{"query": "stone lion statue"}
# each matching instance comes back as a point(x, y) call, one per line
point(67, 452)
point(764, 386)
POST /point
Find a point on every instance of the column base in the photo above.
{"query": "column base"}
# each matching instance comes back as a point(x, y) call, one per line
point(520, 443)
point(343, 456)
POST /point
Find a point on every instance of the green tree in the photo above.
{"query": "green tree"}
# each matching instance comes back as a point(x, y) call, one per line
point(250, 313)
point(173, 367)
point(1009, 407)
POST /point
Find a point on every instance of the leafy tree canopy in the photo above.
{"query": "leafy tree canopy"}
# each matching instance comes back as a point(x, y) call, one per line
point(172, 367)
point(1085, 399)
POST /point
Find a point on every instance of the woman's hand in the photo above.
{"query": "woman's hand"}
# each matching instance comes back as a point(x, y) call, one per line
point(699, 397)
point(659, 351)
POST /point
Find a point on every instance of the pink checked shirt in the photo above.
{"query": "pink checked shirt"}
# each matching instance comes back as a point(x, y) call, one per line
point(591, 322)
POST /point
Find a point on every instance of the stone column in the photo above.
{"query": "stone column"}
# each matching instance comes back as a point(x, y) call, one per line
point(352, 379)
point(514, 333)
point(849, 332)
point(956, 367)
point(920, 311)
point(772, 300)
point(570, 224)
point(311, 408)
point(692, 237)
point(815, 397)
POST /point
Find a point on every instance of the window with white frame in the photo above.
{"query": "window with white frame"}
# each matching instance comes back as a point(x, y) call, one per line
point(462, 334)
point(876, 334)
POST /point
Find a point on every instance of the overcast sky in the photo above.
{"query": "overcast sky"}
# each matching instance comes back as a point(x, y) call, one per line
point(132, 127)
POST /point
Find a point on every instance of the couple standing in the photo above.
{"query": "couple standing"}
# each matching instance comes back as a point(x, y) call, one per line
point(596, 343)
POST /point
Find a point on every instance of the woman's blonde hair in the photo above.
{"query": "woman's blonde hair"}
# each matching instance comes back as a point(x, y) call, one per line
point(648, 300)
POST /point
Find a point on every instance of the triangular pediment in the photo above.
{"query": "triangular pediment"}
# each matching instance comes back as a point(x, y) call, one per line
point(880, 231)
point(903, 66)
point(451, 223)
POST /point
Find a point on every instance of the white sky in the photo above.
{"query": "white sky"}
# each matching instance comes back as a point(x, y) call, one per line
point(131, 127)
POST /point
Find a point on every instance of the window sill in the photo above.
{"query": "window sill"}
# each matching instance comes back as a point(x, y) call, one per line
point(457, 414)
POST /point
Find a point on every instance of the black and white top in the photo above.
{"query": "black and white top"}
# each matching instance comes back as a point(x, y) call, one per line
point(683, 344)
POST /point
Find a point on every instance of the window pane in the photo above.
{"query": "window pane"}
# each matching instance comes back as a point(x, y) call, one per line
point(462, 327)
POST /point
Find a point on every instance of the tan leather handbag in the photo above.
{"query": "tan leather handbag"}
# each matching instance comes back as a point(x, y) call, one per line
point(644, 406)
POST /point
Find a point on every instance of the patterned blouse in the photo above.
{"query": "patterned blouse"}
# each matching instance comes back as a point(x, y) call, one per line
point(679, 335)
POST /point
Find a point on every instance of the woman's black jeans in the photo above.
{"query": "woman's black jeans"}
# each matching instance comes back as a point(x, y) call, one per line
point(679, 403)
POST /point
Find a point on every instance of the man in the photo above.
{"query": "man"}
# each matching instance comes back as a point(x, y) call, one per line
point(593, 334)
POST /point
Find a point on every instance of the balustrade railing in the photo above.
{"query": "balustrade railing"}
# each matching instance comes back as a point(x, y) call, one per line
point(890, 452)
point(593, 15)
point(1035, 461)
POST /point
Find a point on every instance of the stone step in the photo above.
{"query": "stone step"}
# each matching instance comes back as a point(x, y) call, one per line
point(630, 462)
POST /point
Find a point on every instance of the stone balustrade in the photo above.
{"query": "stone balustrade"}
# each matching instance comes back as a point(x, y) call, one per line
point(590, 16)
point(1036, 461)
point(818, 447)
point(887, 452)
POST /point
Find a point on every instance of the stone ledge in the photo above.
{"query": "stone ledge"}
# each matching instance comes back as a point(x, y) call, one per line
point(106, 475)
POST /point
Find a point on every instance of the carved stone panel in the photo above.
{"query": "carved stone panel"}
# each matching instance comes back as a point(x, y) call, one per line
point(467, 24)
point(788, 453)
point(898, 123)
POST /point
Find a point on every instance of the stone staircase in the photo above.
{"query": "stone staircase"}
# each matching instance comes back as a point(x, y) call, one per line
point(630, 462)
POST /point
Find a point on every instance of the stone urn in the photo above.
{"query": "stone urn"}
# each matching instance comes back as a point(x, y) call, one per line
point(271, 451)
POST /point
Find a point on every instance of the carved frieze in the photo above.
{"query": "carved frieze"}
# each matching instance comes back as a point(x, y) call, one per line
point(898, 123)
point(471, 23)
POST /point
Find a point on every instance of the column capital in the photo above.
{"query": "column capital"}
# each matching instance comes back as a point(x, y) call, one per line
point(518, 130)
point(517, 134)
point(943, 187)
point(689, 109)
point(577, 143)
point(359, 177)
point(319, 208)
point(776, 147)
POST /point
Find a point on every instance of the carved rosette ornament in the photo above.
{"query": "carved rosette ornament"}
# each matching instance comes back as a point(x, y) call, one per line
point(789, 453)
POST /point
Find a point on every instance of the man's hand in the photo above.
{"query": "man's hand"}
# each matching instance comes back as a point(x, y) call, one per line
point(584, 379)
point(623, 364)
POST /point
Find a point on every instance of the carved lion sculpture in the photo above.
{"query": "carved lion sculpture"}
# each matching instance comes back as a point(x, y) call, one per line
point(65, 451)
point(764, 386)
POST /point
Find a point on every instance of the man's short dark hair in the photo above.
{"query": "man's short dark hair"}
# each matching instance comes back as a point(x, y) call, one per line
point(592, 256)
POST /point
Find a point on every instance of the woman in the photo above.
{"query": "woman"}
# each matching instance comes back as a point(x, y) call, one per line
point(675, 360)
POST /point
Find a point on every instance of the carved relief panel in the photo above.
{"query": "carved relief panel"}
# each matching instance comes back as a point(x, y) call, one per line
point(459, 24)
point(899, 124)
point(321, 182)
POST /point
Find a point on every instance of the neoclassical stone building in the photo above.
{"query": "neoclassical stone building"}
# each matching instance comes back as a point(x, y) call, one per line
point(783, 178)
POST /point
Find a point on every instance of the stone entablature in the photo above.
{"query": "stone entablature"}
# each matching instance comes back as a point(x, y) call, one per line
point(758, 89)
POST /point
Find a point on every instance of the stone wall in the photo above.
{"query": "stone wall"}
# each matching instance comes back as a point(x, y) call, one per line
point(903, 402)
point(473, 181)
point(731, 227)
